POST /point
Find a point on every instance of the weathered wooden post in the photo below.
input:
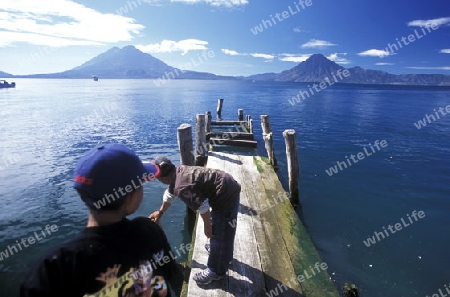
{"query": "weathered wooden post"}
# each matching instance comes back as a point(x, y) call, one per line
point(290, 138)
point(250, 123)
point(219, 109)
point(240, 114)
point(201, 147)
point(187, 157)
point(268, 139)
point(185, 144)
point(208, 121)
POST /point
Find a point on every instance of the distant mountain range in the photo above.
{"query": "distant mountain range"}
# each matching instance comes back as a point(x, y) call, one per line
point(318, 68)
point(5, 75)
point(130, 62)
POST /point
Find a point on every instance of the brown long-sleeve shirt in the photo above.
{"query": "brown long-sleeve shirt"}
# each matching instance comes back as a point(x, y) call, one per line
point(194, 184)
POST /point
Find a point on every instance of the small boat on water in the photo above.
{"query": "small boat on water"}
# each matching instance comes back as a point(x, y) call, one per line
point(5, 84)
point(95, 78)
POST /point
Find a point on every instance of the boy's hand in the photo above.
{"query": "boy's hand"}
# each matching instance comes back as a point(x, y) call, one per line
point(208, 230)
point(207, 223)
point(155, 216)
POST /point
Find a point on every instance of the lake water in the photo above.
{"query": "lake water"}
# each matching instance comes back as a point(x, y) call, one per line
point(46, 125)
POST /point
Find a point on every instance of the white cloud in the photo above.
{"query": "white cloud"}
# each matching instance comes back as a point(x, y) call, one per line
point(264, 56)
point(384, 64)
point(10, 38)
point(60, 23)
point(231, 52)
point(168, 46)
point(298, 30)
point(294, 58)
point(267, 57)
point(429, 23)
point(430, 68)
point(226, 3)
point(316, 43)
point(375, 53)
point(445, 51)
point(339, 60)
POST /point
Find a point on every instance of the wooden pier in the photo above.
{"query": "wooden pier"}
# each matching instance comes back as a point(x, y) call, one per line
point(273, 254)
point(235, 133)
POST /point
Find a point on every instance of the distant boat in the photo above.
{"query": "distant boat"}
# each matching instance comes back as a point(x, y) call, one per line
point(95, 78)
point(5, 84)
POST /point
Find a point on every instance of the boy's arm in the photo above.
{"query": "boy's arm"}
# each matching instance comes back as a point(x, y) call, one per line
point(207, 224)
point(156, 216)
point(168, 198)
point(204, 212)
point(195, 200)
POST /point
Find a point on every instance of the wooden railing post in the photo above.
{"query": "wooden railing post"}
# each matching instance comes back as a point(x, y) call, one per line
point(268, 139)
point(290, 137)
point(187, 157)
point(185, 144)
point(219, 109)
point(201, 146)
point(240, 114)
point(208, 122)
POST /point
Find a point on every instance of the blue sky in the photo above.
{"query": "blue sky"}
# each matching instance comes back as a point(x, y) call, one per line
point(222, 36)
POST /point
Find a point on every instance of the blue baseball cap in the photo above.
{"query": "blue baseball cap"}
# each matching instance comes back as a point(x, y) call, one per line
point(110, 172)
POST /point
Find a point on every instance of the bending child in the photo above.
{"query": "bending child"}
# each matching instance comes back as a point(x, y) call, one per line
point(214, 194)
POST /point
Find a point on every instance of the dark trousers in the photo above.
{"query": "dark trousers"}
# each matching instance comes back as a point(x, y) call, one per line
point(224, 223)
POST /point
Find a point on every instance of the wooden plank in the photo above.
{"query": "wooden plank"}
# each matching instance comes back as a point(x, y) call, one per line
point(199, 262)
point(301, 249)
point(237, 142)
point(246, 276)
point(228, 123)
point(230, 135)
point(275, 260)
point(231, 128)
point(273, 256)
point(272, 247)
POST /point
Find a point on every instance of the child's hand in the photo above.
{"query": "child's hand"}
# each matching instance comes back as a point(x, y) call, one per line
point(155, 216)
point(208, 230)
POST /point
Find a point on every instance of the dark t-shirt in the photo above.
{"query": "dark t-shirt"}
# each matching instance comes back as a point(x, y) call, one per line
point(128, 258)
point(193, 184)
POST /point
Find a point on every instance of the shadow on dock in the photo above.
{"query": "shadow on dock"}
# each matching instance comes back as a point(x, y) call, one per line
point(225, 158)
point(243, 270)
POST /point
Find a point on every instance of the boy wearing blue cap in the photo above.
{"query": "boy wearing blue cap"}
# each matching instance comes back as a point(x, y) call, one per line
point(113, 256)
point(214, 194)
